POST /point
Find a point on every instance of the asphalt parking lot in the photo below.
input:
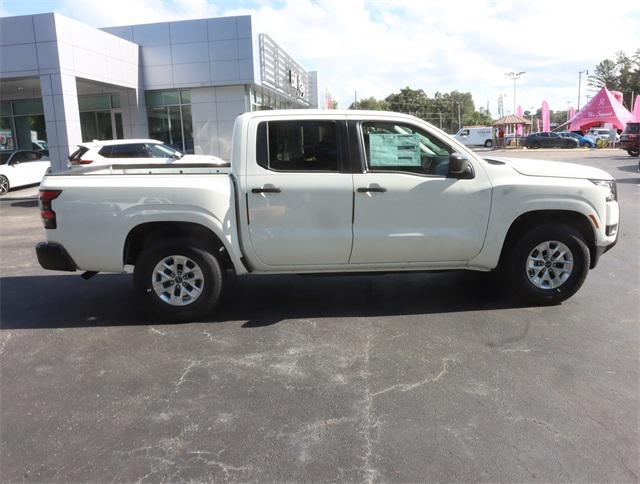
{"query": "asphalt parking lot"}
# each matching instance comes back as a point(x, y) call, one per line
point(423, 377)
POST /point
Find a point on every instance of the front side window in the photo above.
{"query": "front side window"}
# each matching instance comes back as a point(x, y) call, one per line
point(402, 147)
point(161, 151)
point(298, 146)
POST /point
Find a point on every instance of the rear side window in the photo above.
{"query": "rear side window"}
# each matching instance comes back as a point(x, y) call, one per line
point(297, 146)
point(137, 150)
point(632, 128)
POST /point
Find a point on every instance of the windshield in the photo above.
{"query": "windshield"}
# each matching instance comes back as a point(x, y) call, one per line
point(162, 151)
point(632, 128)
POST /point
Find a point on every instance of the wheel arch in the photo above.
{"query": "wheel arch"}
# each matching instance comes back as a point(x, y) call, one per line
point(538, 217)
point(143, 234)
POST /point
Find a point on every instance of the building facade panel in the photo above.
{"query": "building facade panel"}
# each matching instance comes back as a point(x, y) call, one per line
point(182, 82)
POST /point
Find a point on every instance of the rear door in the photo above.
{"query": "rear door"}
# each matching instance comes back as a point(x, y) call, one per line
point(407, 209)
point(299, 193)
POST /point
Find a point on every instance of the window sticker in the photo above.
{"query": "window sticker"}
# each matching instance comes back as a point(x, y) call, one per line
point(388, 149)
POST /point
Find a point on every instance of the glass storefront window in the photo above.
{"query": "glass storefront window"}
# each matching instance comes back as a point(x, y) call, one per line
point(7, 142)
point(28, 106)
point(89, 103)
point(96, 125)
point(5, 108)
point(30, 129)
point(169, 116)
point(162, 98)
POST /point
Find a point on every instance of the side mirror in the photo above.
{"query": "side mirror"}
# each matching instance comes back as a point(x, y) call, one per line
point(459, 166)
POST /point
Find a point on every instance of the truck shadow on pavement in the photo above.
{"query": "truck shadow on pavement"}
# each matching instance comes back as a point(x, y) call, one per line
point(68, 301)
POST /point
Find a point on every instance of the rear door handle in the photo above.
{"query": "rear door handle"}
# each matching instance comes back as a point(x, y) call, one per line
point(265, 190)
point(372, 190)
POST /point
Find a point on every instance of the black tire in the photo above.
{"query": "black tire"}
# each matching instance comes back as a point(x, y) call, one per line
point(213, 279)
point(488, 143)
point(633, 152)
point(4, 185)
point(517, 269)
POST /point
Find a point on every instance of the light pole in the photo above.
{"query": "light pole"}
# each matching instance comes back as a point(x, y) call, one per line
point(586, 71)
point(514, 76)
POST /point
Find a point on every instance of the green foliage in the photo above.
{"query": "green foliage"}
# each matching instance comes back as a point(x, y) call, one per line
point(620, 74)
point(442, 109)
point(370, 103)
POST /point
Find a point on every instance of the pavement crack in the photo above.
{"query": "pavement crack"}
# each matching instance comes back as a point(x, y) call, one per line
point(406, 387)
point(186, 370)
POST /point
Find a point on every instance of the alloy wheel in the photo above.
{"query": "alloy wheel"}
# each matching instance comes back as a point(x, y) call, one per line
point(177, 280)
point(549, 265)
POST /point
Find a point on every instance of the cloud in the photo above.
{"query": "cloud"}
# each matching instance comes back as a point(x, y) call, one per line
point(379, 46)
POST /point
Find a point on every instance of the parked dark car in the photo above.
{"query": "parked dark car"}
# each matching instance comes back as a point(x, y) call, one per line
point(630, 139)
point(583, 141)
point(549, 140)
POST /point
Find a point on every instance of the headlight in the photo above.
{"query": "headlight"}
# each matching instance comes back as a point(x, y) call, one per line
point(610, 185)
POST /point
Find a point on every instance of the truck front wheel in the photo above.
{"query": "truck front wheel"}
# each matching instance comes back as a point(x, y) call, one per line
point(180, 282)
point(548, 264)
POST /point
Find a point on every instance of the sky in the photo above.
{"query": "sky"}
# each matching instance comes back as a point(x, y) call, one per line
point(377, 47)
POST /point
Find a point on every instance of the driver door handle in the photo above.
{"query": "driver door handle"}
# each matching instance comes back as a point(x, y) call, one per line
point(265, 190)
point(371, 190)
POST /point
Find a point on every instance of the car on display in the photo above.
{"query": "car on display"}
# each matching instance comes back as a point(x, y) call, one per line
point(124, 151)
point(316, 191)
point(475, 136)
point(21, 168)
point(630, 139)
point(583, 141)
point(548, 139)
point(596, 134)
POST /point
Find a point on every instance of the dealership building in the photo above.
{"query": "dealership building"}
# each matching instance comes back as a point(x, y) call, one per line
point(64, 82)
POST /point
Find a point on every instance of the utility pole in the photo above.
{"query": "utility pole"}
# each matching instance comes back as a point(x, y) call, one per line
point(459, 119)
point(514, 76)
point(586, 71)
point(355, 99)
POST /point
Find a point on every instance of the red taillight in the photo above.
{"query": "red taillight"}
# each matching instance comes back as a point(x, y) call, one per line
point(46, 212)
point(81, 162)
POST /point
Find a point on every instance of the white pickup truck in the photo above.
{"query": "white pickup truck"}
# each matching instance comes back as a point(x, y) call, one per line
point(330, 192)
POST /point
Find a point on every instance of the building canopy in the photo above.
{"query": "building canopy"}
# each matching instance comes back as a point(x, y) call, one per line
point(603, 108)
point(511, 119)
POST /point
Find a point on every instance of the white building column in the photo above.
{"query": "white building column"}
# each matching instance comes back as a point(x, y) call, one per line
point(134, 113)
point(62, 117)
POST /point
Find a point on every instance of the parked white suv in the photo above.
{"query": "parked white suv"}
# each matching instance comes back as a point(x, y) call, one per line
point(124, 151)
point(596, 134)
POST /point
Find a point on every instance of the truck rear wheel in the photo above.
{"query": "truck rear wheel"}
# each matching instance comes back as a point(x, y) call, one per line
point(548, 264)
point(488, 143)
point(179, 281)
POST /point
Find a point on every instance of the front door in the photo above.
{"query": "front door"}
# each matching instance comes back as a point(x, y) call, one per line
point(406, 208)
point(299, 201)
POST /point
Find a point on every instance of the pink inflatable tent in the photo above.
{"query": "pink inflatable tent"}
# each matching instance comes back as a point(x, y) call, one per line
point(603, 108)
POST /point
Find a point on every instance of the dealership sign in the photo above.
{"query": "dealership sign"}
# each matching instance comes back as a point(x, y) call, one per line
point(296, 82)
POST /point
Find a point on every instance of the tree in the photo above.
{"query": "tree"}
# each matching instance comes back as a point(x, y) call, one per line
point(448, 111)
point(370, 103)
point(408, 101)
point(620, 74)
